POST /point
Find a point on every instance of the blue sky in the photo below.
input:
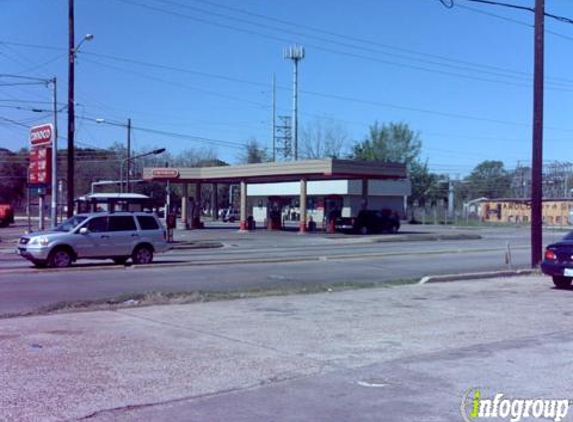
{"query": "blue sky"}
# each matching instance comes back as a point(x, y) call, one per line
point(203, 68)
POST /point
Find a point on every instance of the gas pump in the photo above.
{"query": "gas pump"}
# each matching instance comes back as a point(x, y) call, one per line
point(274, 213)
point(171, 223)
point(332, 210)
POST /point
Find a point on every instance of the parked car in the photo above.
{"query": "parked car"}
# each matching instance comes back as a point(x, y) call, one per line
point(368, 221)
point(6, 215)
point(102, 235)
point(558, 262)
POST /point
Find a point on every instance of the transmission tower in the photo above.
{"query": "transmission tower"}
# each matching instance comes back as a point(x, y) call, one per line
point(283, 138)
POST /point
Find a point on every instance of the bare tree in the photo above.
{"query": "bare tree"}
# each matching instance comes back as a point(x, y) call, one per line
point(322, 138)
point(195, 157)
point(253, 152)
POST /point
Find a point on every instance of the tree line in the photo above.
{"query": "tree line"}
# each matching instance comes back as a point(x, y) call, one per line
point(397, 142)
point(384, 142)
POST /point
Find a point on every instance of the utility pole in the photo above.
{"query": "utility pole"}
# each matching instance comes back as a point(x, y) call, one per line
point(54, 204)
point(71, 117)
point(274, 118)
point(128, 153)
point(537, 149)
point(296, 54)
point(451, 192)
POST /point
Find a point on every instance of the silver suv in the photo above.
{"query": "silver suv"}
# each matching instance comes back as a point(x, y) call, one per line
point(102, 235)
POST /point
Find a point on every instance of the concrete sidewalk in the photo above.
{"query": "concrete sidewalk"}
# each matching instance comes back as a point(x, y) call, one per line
point(396, 354)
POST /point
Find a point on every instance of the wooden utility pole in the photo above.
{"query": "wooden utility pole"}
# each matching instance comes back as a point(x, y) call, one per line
point(71, 116)
point(537, 150)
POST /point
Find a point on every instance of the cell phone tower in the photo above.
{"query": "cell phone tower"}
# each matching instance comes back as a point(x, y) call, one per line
point(296, 54)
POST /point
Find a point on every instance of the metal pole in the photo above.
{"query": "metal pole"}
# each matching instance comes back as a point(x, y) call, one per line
point(537, 150)
point(167, 197)
point(54, 204)
point(121, 176)
point(28, 207)
point(41, 211)
point(295, 108)
point(274, 118)
point(60, 195)
point(71, 117)
point(128, 154)
point(450, 197)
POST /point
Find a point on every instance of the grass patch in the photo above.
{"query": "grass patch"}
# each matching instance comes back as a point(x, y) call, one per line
point(138, 300)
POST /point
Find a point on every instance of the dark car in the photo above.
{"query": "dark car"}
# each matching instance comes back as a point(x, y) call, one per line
point(369, 221)
point(558, 262)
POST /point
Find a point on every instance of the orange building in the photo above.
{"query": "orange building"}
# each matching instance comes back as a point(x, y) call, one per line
point(556, 212)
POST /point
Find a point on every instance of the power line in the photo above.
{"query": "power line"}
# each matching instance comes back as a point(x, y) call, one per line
point(451, 3)
point(344, 37)
point(321, 48)
point(169, 82)
point(194, 138)
point(367, 102)
point(14, 122)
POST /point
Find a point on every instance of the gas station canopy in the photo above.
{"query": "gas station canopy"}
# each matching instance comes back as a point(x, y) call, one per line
point(325, 169)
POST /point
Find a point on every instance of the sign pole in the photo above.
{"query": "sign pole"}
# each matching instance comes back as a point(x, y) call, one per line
point(28, 207)
point(54, 205)
point(40, 170)
point(41, 211)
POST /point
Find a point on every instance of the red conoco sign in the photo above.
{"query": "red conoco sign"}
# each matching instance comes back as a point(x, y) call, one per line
point(41, 136)
point(165, 173)
point(40, 166)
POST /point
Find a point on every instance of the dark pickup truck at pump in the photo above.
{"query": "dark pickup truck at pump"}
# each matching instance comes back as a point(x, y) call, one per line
point(369, 221)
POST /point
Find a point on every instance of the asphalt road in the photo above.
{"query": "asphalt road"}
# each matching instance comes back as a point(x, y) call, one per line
point(266, 260)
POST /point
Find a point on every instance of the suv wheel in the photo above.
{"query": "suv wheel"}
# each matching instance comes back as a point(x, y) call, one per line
point(363, 230)
point(142, 255)
point(562, 282)
point(60, 258)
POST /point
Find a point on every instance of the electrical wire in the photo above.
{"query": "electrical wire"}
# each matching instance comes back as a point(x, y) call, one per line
point(451, 3)
point(230, 144)
point(322, 48)
point(374, 103)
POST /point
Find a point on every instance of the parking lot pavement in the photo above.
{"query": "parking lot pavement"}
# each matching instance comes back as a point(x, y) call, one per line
point(399, 354)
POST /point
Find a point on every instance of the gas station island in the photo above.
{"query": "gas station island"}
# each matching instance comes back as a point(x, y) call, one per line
point(304, 190)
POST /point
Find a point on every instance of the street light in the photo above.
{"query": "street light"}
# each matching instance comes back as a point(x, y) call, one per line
point(87, 37)
point(127, 160)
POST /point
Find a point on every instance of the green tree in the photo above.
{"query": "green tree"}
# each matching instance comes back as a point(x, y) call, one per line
point(396, 142)
point(425, 185)
point(389, 142)
point(489, 179)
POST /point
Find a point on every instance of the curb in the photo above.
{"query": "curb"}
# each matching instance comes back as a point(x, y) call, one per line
point(408, 237)
point(196, 245)
point(476, 276)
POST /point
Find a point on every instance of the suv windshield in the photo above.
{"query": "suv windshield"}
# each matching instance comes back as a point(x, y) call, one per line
point(70, 223)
